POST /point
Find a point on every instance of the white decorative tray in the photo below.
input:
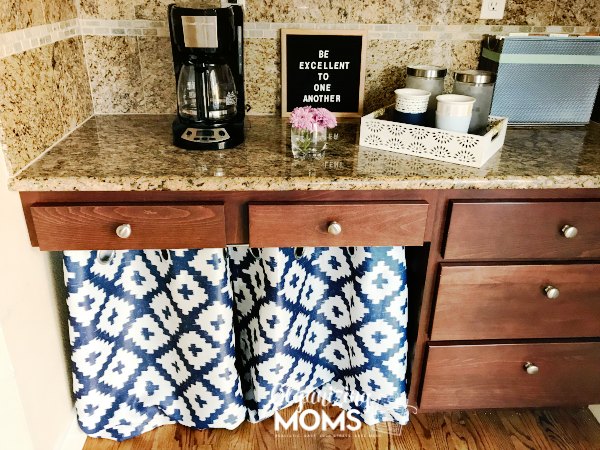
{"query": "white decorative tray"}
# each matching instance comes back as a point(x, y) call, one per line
point(432, 143)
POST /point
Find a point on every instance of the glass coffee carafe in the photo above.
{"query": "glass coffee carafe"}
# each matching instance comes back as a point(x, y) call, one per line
point(206, 92)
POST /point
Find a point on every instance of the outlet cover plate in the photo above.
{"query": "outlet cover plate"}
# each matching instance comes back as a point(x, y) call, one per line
point(226, 3)
point(492, 9)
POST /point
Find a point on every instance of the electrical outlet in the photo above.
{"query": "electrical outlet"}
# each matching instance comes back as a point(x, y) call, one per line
point(226, 3)
point(492, 9)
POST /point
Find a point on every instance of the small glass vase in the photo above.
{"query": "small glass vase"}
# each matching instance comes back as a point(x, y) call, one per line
point(309, 144)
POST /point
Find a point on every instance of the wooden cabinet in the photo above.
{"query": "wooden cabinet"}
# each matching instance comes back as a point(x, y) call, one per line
point(495, 375)
point(517, 302)
point(523, 230)
point(482, 260)
point(337, 224)
point(126, 226)
point(518, 283)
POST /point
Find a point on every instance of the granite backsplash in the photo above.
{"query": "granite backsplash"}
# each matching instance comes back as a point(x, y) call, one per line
point(62, 60)
point(444, 32)
point(21, 14)
point(44, 85)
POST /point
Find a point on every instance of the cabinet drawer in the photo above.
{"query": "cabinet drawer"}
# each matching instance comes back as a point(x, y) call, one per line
point(86, 227)
point(510, 302)
point(308, 224)
point(493, 376)
point(523, 230)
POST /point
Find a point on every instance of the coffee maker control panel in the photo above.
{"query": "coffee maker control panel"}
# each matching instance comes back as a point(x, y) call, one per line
point(205, 135)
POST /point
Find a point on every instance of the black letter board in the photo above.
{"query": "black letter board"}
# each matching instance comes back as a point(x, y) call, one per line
point(323, 69)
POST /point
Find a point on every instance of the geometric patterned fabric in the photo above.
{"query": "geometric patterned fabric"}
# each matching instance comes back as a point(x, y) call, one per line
point(209, 338)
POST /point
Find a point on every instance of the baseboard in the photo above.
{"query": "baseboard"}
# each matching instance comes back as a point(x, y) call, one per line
point(595, 409)
point(74, 438)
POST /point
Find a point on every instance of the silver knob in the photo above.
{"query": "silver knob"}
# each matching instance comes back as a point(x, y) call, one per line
point(334, 228)
point(569, 231)
point(531, 368)
point(551, 292)
point(124, 231)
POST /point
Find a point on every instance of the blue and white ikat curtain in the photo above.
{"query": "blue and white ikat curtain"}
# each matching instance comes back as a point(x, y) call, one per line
point(210, 338)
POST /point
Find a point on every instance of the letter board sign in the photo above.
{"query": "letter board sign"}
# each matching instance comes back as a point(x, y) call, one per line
point(323, 69)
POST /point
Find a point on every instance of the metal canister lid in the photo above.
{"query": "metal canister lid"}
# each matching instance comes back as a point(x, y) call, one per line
point(423, 71)
point(475, 76)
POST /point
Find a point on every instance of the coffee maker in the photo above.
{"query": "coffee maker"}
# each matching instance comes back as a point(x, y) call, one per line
point(208, 58)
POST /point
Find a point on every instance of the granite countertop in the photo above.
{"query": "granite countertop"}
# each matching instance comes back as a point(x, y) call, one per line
point(134, 153)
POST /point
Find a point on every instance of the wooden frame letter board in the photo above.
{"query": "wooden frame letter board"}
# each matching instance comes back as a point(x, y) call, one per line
point(323, 69)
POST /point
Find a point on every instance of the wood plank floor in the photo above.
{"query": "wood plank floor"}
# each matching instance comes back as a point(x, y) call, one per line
point(535, 429)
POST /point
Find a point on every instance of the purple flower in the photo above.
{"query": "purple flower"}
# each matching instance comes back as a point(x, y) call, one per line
point(302, 117)
point(325, 118)
point(306, 117)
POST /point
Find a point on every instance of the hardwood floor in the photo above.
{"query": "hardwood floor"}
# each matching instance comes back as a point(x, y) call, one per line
point(535, 429)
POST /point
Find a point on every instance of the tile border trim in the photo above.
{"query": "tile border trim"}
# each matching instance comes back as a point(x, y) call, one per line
point(265, 30)
point(18, 41)
point(98, 27)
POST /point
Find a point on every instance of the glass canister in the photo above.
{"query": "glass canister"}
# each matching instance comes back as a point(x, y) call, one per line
point(480, 85)
point(428, 78)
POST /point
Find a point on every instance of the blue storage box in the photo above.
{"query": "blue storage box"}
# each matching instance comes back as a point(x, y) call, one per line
point(543, 79)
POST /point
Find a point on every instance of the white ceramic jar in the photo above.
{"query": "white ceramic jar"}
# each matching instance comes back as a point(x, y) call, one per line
point(454, 112)
point(427, 78)
point(478, 84)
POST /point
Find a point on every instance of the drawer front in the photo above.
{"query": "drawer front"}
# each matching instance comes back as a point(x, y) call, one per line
point(493, 376)
point(510, 302)
point(523, 230)
point(85, 227)
point(294, 225)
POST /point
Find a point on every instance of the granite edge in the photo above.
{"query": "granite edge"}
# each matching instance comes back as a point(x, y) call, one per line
point(81, 184)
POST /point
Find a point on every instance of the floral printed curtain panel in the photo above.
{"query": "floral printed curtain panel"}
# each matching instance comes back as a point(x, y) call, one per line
point(209, 338)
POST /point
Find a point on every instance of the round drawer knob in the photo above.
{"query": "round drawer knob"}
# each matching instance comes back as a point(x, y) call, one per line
point(569, 231)
point(124, 231)
point(551, 292)
point(334, 228)
point(531, 368)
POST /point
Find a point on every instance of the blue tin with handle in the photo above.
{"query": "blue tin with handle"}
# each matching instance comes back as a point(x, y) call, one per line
point(543, 79)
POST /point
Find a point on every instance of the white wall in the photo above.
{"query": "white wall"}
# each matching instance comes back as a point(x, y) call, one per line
point(13, 423)
point(36, 409)
point(595, 411)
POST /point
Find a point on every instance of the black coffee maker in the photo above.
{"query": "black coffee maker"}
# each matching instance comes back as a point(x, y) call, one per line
point(208, 57)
